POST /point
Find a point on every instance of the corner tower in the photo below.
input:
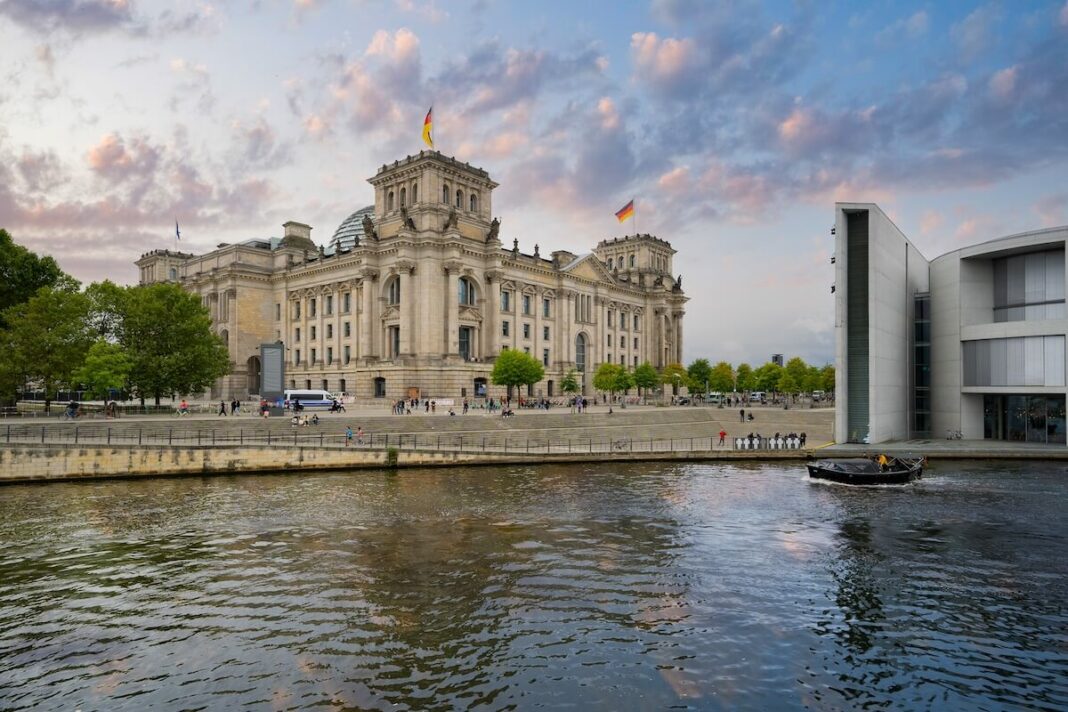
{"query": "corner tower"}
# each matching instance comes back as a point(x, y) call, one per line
point(432, 192)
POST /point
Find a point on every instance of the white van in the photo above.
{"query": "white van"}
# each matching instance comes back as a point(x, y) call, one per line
point(310, 398)
point(757, 397)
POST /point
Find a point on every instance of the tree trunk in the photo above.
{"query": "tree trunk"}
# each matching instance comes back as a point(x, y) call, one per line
point(157, 398)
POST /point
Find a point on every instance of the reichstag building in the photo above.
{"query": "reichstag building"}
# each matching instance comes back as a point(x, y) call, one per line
point(416, 296)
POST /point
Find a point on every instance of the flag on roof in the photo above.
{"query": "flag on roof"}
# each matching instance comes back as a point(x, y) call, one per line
point(428, 124)
point(627, 211)
point(177, 234)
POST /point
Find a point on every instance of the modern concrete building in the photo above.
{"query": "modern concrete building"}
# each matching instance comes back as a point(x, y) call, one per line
point(970, 342)
point(415, 295)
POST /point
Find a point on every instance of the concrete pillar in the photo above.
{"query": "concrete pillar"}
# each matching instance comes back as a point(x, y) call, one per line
point(366, 346)
point(452, 313)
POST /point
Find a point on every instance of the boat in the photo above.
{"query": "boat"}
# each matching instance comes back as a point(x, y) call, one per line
point(864, 471)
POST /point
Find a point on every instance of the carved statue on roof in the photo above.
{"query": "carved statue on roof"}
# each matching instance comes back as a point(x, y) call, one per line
point(408, 222)
point(495, 228)
point(453, 220)
point(515, 247)
point(369, 227)
point(678, 284)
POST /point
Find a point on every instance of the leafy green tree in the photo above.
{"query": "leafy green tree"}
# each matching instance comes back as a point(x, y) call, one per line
point(766, 378)
point(570, 383)
point(699, 373)
point(107, 366)
point(722, 378)
point(46, 340)
point(798, 369)
point(107, 308)
point(813, 380)
point(516, 368)
point(675, 376)
point(22, 273)
point(743, 376)
point(646, 377)
point(624, 381)
point(167, 333)
point(604, 379)
point(827, 378)
point(787, 384)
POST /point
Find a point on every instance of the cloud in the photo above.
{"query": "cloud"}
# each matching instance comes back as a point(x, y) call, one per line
point(1052, 209)
point(256, 145)
point(112, 159)
point(906, 29)
point(973, 34)
point(663, 63)
point(931, 221)
point(194, 84)
point(1003, 82)
point(428, 11)
point(41, 171)
point(77, 16)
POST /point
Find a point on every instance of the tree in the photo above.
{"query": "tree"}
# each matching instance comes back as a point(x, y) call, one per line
point(787, 384)
point(766, 378)
point(570, 383)
point(813, 380)
point(167, 333)
point(46, 340)
point(722, 378)
point(107, 308)
point(798, 369)
point(645, 376)
point(674, 375)
point(699, 373)
point(624, 381)
point(106, 368)
point(827, 378)
point(743, 376)
point(516, 368)
point(22, 273)
point(604, 379)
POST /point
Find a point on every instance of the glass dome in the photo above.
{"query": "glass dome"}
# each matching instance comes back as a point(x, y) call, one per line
point(350, 231)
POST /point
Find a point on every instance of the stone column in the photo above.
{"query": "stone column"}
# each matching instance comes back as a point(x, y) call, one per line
point(407, 321)
point(491, 315)
point(366, 344)
point(452, 310)
point(678, 336)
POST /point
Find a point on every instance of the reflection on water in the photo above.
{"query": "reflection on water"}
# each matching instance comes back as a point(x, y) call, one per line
point(603, 587)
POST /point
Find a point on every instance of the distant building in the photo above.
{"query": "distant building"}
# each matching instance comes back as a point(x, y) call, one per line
point(415, 295)
point(972, 341)
point(776, 359)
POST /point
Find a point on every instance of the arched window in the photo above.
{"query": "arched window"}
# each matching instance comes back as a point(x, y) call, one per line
point(404, 197)
point(174, 273)
point(225, 336)
point(393, 291)
point(619, 262)
point(389, 200)
point(474, 202)
point(632, 261)
point(459, 198)
point(415, 193)
point(445, 193)
point(580, 353)
point(467, 291)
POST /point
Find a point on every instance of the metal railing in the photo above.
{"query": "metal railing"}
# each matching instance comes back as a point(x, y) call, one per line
point(317, 436)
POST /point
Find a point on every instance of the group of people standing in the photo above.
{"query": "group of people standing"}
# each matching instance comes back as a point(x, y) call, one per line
point(235, 407)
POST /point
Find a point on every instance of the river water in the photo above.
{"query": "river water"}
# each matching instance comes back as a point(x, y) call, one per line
point(614, 587)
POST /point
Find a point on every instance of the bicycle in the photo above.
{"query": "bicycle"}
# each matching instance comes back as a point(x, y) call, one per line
point(620, 444)
point(954, 435)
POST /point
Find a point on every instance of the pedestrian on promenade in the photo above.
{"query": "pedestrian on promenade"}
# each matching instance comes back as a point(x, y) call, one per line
point(222, 407)
point(465, 406)
point(348, 435)
point(741, 414)
point(359, 435)
point(183, 408)
point(426, 406)
point(433, 406)
point(722, 436)
point(803, 438)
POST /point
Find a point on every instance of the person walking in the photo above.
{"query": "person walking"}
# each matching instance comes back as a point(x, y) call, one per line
point(722, 436)
point(359, 435)
point(348, 435)
point(222, 407)
point(741, 414)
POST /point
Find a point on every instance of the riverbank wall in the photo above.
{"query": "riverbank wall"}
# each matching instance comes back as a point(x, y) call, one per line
point(20, 463)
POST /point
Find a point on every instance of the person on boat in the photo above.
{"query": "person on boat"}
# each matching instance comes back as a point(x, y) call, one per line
point(883, 462)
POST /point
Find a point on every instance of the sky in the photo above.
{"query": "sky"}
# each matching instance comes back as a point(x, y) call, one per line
point(734, 125)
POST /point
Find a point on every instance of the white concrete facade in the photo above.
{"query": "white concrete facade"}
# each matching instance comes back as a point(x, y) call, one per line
point(978, 395)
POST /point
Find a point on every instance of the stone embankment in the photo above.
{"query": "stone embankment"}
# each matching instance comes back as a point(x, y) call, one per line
point(33, 451)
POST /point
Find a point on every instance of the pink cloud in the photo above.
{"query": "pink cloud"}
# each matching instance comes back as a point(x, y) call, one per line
point(1003, 82)
point(930, 221)
point(112, 159)
point(662, 61)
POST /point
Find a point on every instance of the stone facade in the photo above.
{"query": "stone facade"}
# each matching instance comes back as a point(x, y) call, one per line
point(419, 297)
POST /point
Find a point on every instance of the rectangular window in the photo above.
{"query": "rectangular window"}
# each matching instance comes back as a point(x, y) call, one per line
point(609, 357)
point(504, 328)
point(545, 307)
point(296, 335)
point(611, 318)
point(311, 307)
point(506, 301)
point(347, 329)
point(635, 342)
point(545, 333)
point(394, 341)
point(526, 331)
point(1020, 361)
point(329, 354)
point(635, 361)
point(348, 354)
point(296, 310)
point(313, 355)
point(346, 303)
point(313, 333)
point(1029, 287)
point(298, 356)
point(635, 322)
point(545, 357)
point(278, 312)
point(329, 304)
point(526, 349)
point(609, 339)
point(329, 331)
point(526, 304)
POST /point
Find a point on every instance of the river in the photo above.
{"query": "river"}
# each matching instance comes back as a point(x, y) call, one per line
point(612, 587)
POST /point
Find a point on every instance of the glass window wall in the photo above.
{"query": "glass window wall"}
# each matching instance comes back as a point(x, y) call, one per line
point(1029, 287)
point(1024, 361)
point(1024, 418)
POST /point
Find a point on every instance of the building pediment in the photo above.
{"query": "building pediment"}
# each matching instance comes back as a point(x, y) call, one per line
point(589, 267)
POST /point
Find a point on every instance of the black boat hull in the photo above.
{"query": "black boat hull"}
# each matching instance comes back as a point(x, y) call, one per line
point(827, 470)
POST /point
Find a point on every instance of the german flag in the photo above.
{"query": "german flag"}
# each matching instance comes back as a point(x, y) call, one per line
point(627, 211)
point(428, 124)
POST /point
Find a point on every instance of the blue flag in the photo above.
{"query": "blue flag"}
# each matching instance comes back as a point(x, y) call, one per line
point(177, 234)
